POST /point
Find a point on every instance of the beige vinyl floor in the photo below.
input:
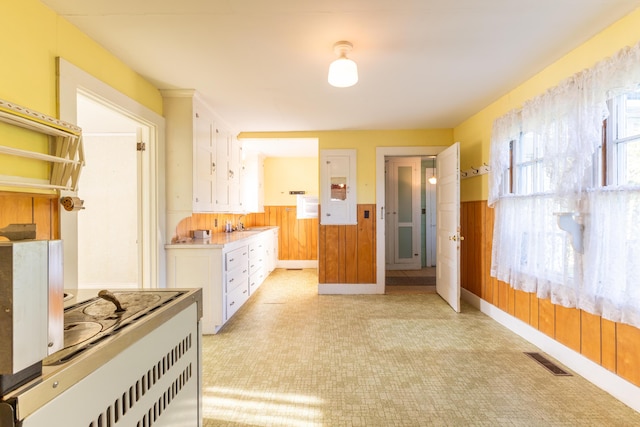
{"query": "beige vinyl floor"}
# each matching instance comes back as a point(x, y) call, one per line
point(291, 357)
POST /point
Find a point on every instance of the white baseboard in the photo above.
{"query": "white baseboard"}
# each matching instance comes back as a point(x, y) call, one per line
point(348, 289)
point(296, 263)
point(621, 389)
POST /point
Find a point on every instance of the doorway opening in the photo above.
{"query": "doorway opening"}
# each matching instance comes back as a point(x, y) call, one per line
point(111, 190)
point(149, 207)
point(410, 224)
point(447, 211)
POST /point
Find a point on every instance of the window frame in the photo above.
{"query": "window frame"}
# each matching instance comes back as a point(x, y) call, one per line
point(613, 169)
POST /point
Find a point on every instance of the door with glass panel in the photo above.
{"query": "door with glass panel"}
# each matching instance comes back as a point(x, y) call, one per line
point(403, 250)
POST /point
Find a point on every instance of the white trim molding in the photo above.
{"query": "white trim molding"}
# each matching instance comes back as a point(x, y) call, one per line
point(347, 289)
point(297, 263)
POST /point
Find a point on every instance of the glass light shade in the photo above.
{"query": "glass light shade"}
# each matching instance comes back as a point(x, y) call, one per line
point(433, 180)
point(343, 72)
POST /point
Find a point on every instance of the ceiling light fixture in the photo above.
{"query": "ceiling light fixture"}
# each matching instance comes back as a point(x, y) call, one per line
point(343, 72)
point(433, 180)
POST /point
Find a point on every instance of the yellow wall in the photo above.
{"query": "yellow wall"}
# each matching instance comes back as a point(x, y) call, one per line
point(474, 134)
point(33, 37)
point(365, 143)
point(284, 174)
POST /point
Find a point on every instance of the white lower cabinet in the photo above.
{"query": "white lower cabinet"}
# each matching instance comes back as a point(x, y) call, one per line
point(228, 273)
point(236, 280)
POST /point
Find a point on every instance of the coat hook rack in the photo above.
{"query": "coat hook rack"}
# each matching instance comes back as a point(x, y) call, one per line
point(474, 171)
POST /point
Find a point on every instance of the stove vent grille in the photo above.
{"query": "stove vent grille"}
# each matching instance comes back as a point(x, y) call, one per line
point(117, 411)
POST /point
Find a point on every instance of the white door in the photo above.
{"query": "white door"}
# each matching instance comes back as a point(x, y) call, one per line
point(403, 214)
point(109, 254)
point(448, 226)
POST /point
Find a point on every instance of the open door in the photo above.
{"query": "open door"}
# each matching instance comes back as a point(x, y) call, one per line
point(448, 225)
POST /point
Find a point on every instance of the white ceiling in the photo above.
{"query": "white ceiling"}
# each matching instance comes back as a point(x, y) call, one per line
point(262, 64)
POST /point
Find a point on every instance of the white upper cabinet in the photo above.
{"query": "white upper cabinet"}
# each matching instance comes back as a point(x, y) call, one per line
point(204, 160)
point(235, 173)
point(252, 182)
point(338, 187)
point(201, 164)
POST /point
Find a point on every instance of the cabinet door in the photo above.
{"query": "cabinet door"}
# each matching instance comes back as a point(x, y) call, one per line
point(252, 182)
point(222, 169)
point(338, 187)
point(235, 173)
point(205, 163)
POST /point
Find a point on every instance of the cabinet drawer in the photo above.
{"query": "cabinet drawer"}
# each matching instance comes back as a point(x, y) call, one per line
point(256, 249)
point(236, 258)
point(235, 278)
point(256, 264)
point(235, 299)
point(255, 280)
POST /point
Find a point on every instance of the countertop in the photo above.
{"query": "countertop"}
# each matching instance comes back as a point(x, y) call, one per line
point(219, 240)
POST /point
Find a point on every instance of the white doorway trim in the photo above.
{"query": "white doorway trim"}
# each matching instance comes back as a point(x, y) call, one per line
point(71, 81)
point(381, 153)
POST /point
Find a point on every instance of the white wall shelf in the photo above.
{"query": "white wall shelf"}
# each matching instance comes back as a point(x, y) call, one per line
point(66, 154)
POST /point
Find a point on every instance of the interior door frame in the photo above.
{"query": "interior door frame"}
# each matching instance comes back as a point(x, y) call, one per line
point(72, 80)
point(381, 153)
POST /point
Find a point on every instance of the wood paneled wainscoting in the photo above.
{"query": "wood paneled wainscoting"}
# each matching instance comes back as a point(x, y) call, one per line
point(26, 208)
point(348, 252)
point(614, 346)
point(297, 238)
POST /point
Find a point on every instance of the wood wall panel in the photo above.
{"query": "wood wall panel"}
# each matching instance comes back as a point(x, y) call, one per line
point(366, 244)
point(40, 209)
point(347, 252)
point(567, 325)
point(351, 254)
point(503, 296)
point(330, 253)
point(511, 301)
point(297, 238)
point(342, 255)
point(628, 353)
point(322, 258)
point(522, 306)
point(546, 317)
point(608, 350)
point(591, 336)
point(534, 317)
point(613, 345)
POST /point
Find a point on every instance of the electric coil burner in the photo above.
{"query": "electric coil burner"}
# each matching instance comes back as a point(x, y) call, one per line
point(89, 322)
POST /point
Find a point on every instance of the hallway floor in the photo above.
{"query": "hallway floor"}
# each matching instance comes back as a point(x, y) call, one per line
point(410, 281)
point(291, 357)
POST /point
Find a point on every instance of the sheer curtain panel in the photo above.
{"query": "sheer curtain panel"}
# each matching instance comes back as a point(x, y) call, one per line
point(530, 251)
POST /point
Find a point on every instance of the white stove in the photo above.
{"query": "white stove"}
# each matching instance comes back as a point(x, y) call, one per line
point(139, 366)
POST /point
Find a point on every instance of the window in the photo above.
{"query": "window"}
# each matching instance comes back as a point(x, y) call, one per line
point(527, 163)
point(570, 158)
point(622, 141)
point(616, 161)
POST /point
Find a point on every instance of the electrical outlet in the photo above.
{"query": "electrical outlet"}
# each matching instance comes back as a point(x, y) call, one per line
point(215, 222)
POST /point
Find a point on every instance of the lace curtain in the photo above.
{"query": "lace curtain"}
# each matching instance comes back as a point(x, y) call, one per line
point(610, 284)
point(530, 252)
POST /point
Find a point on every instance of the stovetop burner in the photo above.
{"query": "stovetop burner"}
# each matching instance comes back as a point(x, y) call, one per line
point(91, 321)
